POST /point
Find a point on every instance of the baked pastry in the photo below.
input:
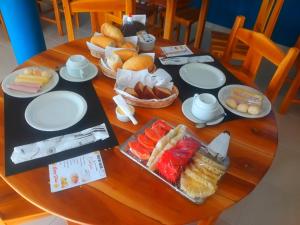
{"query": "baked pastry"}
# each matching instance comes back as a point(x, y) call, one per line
point(131, 91)
point(242, 108)
point(148, 93)
point(139, 88)
point(139, 62)
point(127, 44)
point(253, 109)
point(113, 32)
point(161, 92)
point(103, 41)
point(231, 103)
point(114, 62)
point(125, 54)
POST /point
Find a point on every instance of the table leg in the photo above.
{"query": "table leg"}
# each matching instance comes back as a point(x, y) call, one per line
point(201, 23)
point(209, 221)
point(169, 19)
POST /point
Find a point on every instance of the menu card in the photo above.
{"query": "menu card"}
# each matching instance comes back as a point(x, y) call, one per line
point(176, 50)
point(76, 171)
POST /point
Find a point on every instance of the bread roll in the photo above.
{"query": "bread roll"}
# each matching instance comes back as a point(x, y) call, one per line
point(125, 54)
point(253, 109)
point(103, 41)
point(114, 62)
point(231, 103)
point(242, 108)
point(161, 92)
point(139, 62)
point(113, 32)
point(127, 44)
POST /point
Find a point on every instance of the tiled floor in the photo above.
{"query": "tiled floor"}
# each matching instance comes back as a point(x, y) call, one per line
point(275, 201)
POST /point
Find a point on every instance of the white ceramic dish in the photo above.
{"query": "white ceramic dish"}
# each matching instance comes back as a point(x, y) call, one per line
point(92, 72)
point(224, 93)
point(55, 110)
point(187, 112)
point(19, 94)
point(202, 75)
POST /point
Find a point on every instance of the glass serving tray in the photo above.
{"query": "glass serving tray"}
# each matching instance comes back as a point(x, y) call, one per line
point(124, 148)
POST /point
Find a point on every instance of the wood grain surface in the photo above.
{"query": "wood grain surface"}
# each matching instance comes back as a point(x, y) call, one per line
point(131, 195)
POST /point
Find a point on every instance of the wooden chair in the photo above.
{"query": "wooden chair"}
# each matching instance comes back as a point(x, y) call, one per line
point(96, 6)
point(291, 95)
point(260, 47)
point(265, 23)
point(185, 17)
point(14, 209)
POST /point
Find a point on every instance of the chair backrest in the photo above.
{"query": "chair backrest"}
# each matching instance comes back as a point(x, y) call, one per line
point(111, 7)
point(260, 47)
point(267, 16)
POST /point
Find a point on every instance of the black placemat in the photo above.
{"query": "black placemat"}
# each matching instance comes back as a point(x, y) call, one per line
point(18, 132)
point(186, 90)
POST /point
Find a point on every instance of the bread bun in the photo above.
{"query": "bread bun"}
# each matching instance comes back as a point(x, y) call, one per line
point(125, 54)
point(139, 88)
point(127, 44)
point(114, 62)
point(242, 108)
point(131, 91)
point(103, 41)
point(113, 32)
point(148, 93)
point(253, 109)
point(161, 92)
point(139, 62)
point(231, 103)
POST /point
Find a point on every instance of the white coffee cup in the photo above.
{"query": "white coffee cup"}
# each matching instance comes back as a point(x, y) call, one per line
point(77, 66)
point(205, 106)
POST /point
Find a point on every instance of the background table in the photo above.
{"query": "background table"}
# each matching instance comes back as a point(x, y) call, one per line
point(131, 195)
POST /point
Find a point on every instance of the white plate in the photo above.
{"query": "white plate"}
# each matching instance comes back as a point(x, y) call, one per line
point(92, 72)
point(224, 93)
point(55, 110)
point(19, 94)
point(202, 75)
point(187, 112)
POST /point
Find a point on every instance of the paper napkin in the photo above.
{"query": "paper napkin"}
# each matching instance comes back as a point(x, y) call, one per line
point(58, 144)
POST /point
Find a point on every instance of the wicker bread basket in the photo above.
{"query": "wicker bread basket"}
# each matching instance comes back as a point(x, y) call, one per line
point(112, 74)
point(150, 103)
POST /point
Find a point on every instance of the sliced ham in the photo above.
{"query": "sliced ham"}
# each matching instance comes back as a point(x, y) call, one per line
point(23, 88)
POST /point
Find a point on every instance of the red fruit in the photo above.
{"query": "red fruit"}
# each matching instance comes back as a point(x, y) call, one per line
point(138, 150)
point(154, 136)
point(146, 142)
point(162, 124)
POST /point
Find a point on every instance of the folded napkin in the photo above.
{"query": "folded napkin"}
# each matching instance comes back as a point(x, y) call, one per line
point(58, 144)
point(218, 147)
point(185, 60)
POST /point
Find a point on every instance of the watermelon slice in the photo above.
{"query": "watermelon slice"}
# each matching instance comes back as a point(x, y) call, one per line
point(138, 150)
point(146, 142)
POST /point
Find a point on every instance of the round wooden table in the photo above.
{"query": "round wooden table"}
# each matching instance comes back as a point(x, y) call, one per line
point(131, 195)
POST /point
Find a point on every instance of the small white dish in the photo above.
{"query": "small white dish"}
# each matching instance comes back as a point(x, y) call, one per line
point(121, 115)
point(19, 94)
point(187, 112)
point(224, 93)
point(202, 75)
point(55, 110)
point(92, 72)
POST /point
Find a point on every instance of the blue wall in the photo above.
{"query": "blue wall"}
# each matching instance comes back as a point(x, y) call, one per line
point(223, 12)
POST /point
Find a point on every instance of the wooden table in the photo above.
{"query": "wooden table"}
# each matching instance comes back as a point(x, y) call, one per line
point(131, 195)
point(170, 14)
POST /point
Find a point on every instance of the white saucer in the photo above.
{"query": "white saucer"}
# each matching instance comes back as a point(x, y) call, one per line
point(92, 72)
point(186, 109)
